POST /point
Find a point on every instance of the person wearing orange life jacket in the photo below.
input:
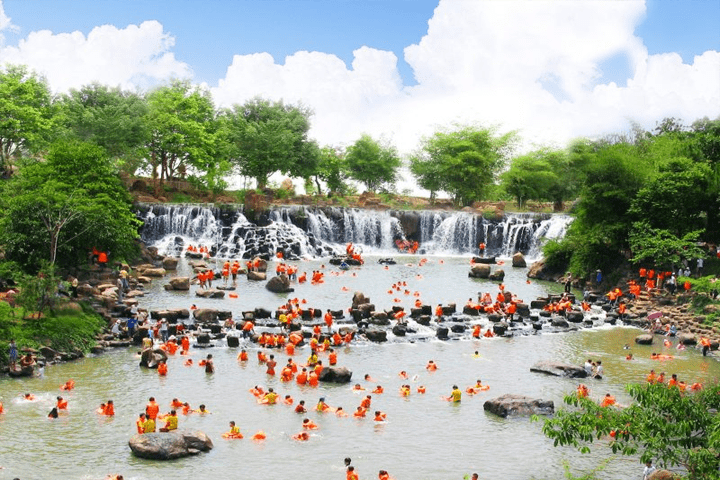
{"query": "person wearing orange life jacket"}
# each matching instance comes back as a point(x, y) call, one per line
point(162, 368)
point(62, 404)
point(476, 331)
point(152, 409)
point(608, 401)
point(140, 423)
point(511, 309)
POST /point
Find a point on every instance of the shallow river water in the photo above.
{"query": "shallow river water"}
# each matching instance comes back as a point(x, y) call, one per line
point(424, 437)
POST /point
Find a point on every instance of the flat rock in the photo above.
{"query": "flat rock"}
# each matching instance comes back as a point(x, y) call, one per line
point(518, 405)
point(335, 375)
point(557, 369)
point(169, 445)
point(644, 339)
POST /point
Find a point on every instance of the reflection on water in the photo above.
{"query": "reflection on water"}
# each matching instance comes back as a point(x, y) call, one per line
point(424, 437)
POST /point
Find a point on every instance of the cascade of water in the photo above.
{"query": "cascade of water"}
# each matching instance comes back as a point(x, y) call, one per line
point(309, 232)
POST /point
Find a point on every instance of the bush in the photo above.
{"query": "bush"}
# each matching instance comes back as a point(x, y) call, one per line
point(557, 255)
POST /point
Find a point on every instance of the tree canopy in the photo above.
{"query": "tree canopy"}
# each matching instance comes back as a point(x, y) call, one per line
point(25, 110)
point(463, 162)
point(674, 428)
point(57, 210)
point(372, 163)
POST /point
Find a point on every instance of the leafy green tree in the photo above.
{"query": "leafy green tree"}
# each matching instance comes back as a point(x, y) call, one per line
point(372, 163)
point(663, 424)
point(109, 117)
point(331, 170)
point(267, 137)
point(25, 108)
point(662, 247)
point(181, 120)
point(530, 177)
point(675, 199)
point(55, 211)
point(464, 162)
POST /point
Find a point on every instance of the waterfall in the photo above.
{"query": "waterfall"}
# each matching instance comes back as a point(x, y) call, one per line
point(317, 232)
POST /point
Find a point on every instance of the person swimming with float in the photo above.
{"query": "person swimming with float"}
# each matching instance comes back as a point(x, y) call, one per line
point(234, 432)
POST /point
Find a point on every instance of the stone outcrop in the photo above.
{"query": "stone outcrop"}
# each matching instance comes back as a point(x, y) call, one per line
point(279, 284)
point(518, 260)
point(151, 357)
point(559, 369)
point(209, 293)
point(178, 283)
point(335, 375)
point(170, 263)
point(644, 339)
point(169, 445)
point(479, 271)
point(518, 405)
point(257, 276)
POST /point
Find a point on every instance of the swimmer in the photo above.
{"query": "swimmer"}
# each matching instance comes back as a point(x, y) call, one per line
point(69, 385)
point(301, 437)
point(340, 412)
point(62, 404)
point(259, 436)
point(201, 409)
point(300, 408)
point(358, 387)
point(368, 378)
point(431, 366)
point(308, 424)
point(322, 406)
point(403, 375)
point(234, 431)
point(378, 389)
point(455, 395)
point(629, 356)
point(380, 416)
point(421, 389)
point(288, 400)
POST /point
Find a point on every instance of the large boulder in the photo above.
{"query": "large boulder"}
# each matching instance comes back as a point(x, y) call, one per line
point(154, 272)
point(559, 369)
point(279, 284)
point(687, 339)
point(518, 260)
point(479, 271)
point(518, 405)
point(359, 299)
point(169, 445)
point(498, 275)
point(376, 335)
point(335, 375)
point(500, 328)
point(209, 293)
point(179, 283)
point(150, 357)
point(170, 263)
point(257, 276)
point(644, 339)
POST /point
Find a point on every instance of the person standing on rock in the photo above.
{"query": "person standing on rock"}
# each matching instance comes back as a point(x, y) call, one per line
point(648, 470)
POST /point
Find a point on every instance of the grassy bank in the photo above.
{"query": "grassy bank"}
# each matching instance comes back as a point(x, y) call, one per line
point(70, 327)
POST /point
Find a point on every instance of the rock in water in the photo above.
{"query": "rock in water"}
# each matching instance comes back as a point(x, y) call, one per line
point(279, 284)
point(644, 339)
point(518, 405)
point(518, 260)
point(335, 375)
point(169, 445)
point(559, 369)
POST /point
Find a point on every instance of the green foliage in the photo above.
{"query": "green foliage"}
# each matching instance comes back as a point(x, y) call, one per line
point(25, 113)
point(557, 254)
point(463, 162)
point(372, 163)
point(332, 170)
point(59, 209)
point(265, 137)
point(661, 247)
point(109, 117)
point(664, 424)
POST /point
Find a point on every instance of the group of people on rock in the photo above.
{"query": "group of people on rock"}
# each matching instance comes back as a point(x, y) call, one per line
point(407, 246)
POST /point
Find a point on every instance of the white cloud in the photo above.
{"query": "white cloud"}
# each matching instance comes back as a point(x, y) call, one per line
point(129, 57)
point(491, 62)
point(5, 24)
point(532, 66)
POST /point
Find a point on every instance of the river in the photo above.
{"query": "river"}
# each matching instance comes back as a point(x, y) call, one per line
point(424, 437)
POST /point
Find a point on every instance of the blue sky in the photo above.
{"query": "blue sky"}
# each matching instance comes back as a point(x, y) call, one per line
point(397, 69)
point(207, 33)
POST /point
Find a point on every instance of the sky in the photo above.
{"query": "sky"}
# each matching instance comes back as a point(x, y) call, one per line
point(398, 70)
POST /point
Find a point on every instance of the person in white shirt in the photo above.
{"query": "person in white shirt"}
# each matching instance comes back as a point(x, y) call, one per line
point(648, 470)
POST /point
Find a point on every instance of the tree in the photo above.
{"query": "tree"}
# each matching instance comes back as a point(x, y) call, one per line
point(109, 117)
point(675, 198)
point(56, 210)
point(268, 137)
point(529, 178)
point(464, 162)
point(331, 170)
point(24, 112)
point(181, 120)
point(372, 163)
point(662, 247)
point(673, 427)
